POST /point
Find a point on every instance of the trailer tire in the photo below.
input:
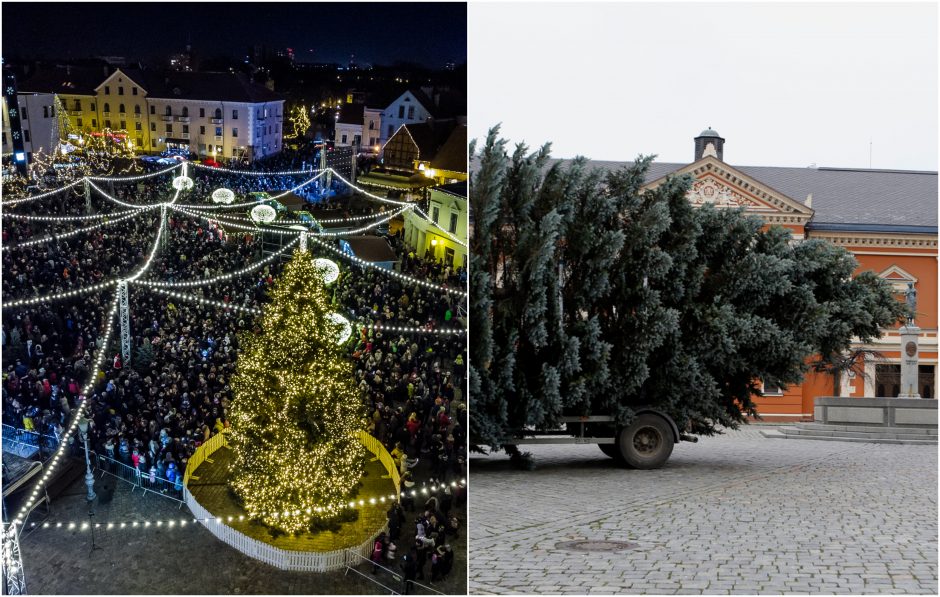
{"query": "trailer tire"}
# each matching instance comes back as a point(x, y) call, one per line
point(646, 443)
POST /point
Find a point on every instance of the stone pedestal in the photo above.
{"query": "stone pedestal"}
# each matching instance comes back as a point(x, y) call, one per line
point(910, 352)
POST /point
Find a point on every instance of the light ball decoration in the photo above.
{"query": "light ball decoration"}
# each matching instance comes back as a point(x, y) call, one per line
point(263, 214)
point(345, 331)
point(182, 183)
point(223, 196)
point(328, 269)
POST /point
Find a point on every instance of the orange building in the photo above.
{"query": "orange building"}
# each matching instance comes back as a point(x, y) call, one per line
point(886, 218)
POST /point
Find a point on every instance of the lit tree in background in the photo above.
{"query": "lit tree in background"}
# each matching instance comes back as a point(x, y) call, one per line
point(300, 120)
point(295, 410)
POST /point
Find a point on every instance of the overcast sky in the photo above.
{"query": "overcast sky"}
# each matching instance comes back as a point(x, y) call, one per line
point(784, 84)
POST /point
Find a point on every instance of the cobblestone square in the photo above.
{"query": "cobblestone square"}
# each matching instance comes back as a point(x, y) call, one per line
point(732, 514)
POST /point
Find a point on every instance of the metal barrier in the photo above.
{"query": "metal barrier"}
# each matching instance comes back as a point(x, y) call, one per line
point(137, 478)
point(396, 577)
point(25, 443)
point(280, 558)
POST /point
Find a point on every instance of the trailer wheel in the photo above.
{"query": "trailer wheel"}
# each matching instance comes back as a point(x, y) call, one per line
point(646, 443)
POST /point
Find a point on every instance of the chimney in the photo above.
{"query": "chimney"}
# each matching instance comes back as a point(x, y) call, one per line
point(709, 143)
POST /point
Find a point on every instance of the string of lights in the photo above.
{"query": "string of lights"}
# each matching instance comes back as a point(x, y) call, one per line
point(284, 221)
point(59, 295)
point(388, 272)
point(104, 194)
point(381, 327)
point(77, 231)
point(362, 229)
point(66, 218)
point(203, 301)
point(135, 178)
point(79, 412)
point(365, 192)
point(228, 276)
point(238, 226)
point(255, 173)
point(156, 243)
point(42, 195)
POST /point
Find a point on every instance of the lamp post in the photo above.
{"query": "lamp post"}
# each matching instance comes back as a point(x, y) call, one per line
point(89, 477)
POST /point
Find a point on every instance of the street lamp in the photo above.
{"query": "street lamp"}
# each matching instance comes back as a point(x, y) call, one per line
point(89, 477)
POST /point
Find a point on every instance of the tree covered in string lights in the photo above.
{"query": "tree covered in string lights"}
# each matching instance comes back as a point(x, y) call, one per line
point(295, 410)
point(300, 121)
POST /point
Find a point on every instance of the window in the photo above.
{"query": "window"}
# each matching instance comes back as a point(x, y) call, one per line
point(185, 111)
point(234, 132)
point(153, 109)
point(372, 140)
point(94, 123)
point(78, 105)
point(436, 214)
point(453, 223)
point(411, 112)
point(138, 127)
point(344, 138)
point(371, 125)
point(186, 128)
point(137, 109)
point(449, 256)
point(153, 126)
point(26, 135)
point(123, 125)
point(169, 111)
point(134, 92)
point(121, 108)
point(23, 114)
point(78, 122)
point(767, 389)
point(218, 112)
point(140, 142)
point(153, 143)
point(202, 112)
point(887, 381)
point(120, 90)
point(45, 111)
point(107, 108)
point(107, 124)
point(169, 127)
point(202, 130)
point(107, 90)
point(218, 131)
point(92, 106)
point(389, 130)
point(234, 114)
point(401, 111)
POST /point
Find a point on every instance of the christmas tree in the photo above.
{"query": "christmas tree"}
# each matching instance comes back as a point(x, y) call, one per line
point(295, 410)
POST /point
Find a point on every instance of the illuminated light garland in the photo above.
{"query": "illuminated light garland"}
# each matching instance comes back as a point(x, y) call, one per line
point(156, 243)
point(104, 194)
point(58, 296)
point(239, 226)
point(134, 178)
point(183, 183)
point(228, 276)
point(223, 196)
point(42, 195)
point(436, 225)
point(381, 327)
point(307, 222)
point(345, 330)
point(247, 203)
point(203, 301)
point(263, 214)
point(53, 462)
point(365, 192)
point(255, 172)
point(328, 268)
point(388, 272)
point(77, 231)
point(16, 216)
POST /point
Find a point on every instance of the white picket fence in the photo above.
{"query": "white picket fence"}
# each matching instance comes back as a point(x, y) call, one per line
point(307, 561)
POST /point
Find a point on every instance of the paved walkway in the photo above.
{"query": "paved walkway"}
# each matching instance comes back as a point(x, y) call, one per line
point(160, 560)
point(732, 514)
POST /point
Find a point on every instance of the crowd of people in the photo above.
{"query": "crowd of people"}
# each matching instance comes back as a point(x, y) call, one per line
point(149, 416)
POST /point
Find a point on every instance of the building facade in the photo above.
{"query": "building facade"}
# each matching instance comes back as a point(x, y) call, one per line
point(447, 208)
point(38, 119)
point(408, 108)
point(887, 219)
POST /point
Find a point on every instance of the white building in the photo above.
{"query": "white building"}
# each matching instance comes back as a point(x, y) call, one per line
point(410, 107)
point(360, 127)
point(38, 121)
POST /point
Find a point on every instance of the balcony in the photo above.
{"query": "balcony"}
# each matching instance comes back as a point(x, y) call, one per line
point(75, 112)
point(122, 114)
point(137, 115)
point(106, 114)
point(184, 135)
point(167, 118)
point(218, 138)
point(216, 120)
point(182, 119)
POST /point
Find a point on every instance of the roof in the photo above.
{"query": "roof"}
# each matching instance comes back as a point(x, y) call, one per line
point(371, 248)
point(454, 188)
point(76, 80)
point(430, 137)
point(351, 114)
point(226, 87)
point(453, 154)
point(709, 133)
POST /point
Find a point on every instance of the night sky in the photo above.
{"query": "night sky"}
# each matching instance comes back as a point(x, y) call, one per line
point(381, 33)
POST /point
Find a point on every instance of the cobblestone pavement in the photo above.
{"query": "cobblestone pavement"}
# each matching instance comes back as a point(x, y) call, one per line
point(733, 514)
point(186, 560)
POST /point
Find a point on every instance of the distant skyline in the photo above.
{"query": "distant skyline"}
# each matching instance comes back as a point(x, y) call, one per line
point(784, 84)
point(430, 34)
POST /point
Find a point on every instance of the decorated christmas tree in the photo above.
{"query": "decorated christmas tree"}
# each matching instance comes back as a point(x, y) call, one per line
point(295, 410)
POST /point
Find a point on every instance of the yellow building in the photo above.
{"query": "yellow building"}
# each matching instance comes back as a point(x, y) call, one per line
point(447, 209)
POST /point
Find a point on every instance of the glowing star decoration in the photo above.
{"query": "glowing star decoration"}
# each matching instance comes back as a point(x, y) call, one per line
point(182, 183)
point(263, 214)
point(223, 196)
point(328, 269)
point(346, 329)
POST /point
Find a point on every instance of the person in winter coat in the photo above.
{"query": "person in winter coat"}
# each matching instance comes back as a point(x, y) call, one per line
point(410, 567)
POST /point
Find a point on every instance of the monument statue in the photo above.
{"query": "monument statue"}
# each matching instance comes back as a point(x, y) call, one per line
point(911, 299)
